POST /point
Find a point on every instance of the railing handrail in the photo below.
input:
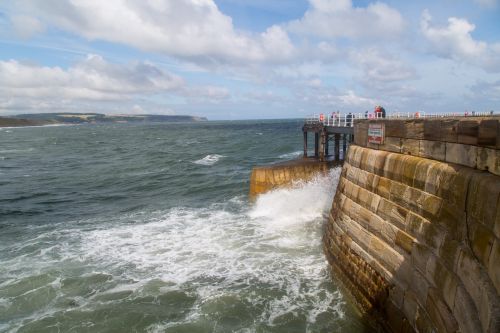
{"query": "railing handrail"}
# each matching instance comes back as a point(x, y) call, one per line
point(337, 119)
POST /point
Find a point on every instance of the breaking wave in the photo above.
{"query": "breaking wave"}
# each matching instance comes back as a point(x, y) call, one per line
point(239, 266)
point(209, 159)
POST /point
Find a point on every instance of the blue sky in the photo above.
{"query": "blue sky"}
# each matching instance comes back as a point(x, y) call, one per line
point(237, 59)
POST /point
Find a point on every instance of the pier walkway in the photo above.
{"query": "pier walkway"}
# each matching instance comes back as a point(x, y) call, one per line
point(337, 129)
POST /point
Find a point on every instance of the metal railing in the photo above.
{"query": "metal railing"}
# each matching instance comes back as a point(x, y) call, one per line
point(337, 119)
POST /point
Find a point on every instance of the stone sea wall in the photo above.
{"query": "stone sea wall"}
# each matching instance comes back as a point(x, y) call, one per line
point(266, 178)
point(414, 229)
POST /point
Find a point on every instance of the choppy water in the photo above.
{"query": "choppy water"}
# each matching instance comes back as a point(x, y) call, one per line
point(147, 228)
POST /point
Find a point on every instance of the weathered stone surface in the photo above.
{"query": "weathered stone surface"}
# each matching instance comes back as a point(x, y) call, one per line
point(404, 241)
point(411, 147)
point(410, 305)
point(394, 128)
point(384, 188)
point(465, 313)
point(420, 255)
point(487, 135)
point(439, 313)
point(392, 213)
point(449, 130)
point(423, 323)
point(496, 227)
point(409, 170)
point(461, 154)
point(449, 252)
point(435, 150)
point(478, 287)
point(264, 179)
point(482, 240)
point(385, 254)
point(394, 316)
point(414, 129)
point(443, 279)
point(393, 167)
point(392, 144)
point(483, 195)
point(494, 265)
point(406, 224)
point(468, 131)
point(488, 159)
point(361, 134)
point(432, 129)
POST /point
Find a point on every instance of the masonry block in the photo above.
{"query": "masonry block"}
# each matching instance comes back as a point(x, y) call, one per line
point(482, 240)
point(404, 240)
point(392, 144)
point(411, 147)
point(449, 130)
point(395, 128)
point(483, 196)
point(465, 312)
point(475, 283)
point(487, 134)
point(420, 255)
point(439, 313)
point(410, 305)
point(461, 154)
point(392, 213)
point(488, 159)
point(435, 150)
point(468, 131)
point(432, 129)
point(443, 279)
point(361, 134)
point(414, 129)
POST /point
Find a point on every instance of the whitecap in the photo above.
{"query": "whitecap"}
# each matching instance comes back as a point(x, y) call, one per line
point(291, 155)
point(209, 159)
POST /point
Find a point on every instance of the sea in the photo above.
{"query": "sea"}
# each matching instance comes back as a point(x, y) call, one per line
point(148, 228)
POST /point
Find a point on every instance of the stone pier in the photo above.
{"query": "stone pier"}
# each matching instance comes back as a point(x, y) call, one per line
point(414, 229)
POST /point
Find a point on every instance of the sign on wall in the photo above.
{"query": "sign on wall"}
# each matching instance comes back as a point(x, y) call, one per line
point(376, 133)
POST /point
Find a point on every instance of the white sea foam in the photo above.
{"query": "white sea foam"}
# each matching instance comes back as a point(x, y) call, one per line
point(267, 255)
point(291, 155)
point(209, 159)
point(13, 151)
point(276, 242)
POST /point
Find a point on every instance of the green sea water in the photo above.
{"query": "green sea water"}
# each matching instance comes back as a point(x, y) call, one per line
point(148, 228)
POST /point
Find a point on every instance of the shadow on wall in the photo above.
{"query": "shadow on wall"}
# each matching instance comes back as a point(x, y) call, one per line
point(417, 242)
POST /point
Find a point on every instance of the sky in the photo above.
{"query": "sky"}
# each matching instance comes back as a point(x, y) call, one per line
point(248, 59)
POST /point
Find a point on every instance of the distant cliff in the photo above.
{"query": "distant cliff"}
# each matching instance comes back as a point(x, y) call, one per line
point(39, 119)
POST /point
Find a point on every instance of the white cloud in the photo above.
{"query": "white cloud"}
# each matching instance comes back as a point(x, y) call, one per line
point(489, 91)
point(333, 98)
point(211, 94)
point(193, 29)
point(331, 19)
point(455, 42)
point(26, 26)
point(487, 3)
point(97, 82)
point(91, 79)
point(379, 69)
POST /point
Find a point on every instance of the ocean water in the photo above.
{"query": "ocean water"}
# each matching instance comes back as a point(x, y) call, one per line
point(148, 228)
